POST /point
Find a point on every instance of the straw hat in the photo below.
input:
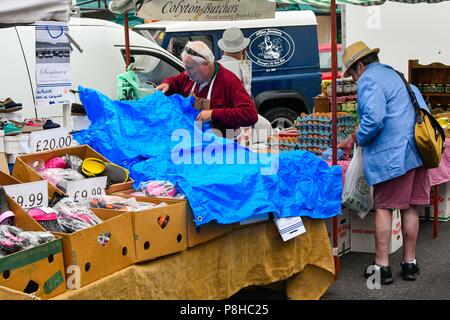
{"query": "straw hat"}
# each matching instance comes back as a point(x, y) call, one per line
point(353, 53)
point(233, 40)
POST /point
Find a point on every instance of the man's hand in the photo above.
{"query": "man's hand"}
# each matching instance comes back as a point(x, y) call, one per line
point(347, 146)
point(205, 115)
point(162, 87)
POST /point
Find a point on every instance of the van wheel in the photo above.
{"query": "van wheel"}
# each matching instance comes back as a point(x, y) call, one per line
point(281, 118)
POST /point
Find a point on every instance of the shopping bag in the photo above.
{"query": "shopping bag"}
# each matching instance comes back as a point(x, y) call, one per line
point(129, 87)
point(357, 195)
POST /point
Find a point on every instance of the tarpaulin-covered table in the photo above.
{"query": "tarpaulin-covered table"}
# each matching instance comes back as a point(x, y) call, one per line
point(217, 269)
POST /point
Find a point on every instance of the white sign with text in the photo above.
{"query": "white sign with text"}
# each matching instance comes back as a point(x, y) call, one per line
point(29, 195)
point(81, 190)
point(45, 140)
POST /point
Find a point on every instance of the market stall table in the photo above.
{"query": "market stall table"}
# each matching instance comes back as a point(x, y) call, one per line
point(255, 255)
point(440, 175)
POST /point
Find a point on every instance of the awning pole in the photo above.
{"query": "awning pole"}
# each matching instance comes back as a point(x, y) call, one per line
point(127, 40)
point(334, 124)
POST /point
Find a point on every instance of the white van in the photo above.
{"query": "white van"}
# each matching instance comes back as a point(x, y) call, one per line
point(97, 66)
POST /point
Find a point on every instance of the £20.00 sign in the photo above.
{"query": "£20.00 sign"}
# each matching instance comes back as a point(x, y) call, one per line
point(51, 139)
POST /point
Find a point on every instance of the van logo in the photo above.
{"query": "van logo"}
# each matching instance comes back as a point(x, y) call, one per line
point(270, 47)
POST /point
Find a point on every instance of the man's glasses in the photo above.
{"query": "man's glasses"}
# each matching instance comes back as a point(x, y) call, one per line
point(192, 52)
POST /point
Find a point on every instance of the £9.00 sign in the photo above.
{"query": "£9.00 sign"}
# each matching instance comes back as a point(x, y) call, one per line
point(29, 195)
point(82, 190)
point(51, 139)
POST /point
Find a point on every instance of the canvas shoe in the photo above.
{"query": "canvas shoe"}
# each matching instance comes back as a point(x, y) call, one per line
point(8, 105)
point(10, 129)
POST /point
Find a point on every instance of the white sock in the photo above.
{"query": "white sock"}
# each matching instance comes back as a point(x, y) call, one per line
point(412, 261)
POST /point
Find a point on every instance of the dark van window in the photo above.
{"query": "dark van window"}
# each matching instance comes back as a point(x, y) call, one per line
point(177, 43)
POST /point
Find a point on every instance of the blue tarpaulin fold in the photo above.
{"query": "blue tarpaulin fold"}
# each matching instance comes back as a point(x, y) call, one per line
point(156, 139)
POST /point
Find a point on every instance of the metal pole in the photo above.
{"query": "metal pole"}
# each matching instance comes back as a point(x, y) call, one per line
point(334, 68)
point(127, 40)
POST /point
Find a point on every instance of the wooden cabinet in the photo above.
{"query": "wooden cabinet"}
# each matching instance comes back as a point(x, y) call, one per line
point(433, 81)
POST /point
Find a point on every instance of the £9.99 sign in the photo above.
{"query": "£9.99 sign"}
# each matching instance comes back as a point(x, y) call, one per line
point(29, 195)
point(50, 139)
point(82, 190)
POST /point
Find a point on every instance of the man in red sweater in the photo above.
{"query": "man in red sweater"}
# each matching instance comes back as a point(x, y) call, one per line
point(227, 103)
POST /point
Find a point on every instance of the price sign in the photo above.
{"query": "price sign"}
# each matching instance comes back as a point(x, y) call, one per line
point(29, 195)
point(81, 190)
point(51, 139)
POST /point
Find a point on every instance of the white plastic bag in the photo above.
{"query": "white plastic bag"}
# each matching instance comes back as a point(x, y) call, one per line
point(357, 195)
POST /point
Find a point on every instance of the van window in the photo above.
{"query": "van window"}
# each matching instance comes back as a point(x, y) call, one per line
point(177, 43)
point(325, 60)
point(152, 67)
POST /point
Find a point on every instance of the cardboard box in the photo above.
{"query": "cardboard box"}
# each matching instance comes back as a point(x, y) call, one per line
point(39, 270)
point(25, 173)
point(289, 228)
point(427, 212)
point(362, 236)
point(97, 251)
point(152, 240)
point(343, 232)
point(200, 234)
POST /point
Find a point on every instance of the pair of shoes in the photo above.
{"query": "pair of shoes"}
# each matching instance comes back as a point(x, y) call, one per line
point(8, 105)
point(9, 128)
point(49, 124)
point(27, 126)
point(385, 273)
point(93, 167)
point(410, 271)
point(78, 109)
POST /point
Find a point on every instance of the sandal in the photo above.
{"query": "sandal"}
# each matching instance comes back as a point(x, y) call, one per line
point(93, 167)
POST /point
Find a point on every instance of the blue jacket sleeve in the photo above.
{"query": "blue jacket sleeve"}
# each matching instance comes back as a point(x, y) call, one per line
point(371, 110)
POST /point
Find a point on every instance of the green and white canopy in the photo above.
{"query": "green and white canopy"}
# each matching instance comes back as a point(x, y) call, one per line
point(326, 3)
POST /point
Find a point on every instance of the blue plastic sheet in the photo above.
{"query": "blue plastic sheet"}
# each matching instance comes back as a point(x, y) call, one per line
point(156, 139)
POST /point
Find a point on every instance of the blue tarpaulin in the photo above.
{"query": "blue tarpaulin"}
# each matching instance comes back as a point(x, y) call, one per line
point(156, 139)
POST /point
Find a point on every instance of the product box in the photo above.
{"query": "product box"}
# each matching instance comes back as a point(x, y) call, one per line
point(443, 204)
point(38, 271)
point(17, 144)
point(25, 173)
point(98, 251)
point(343, 232)
point(362, 236)
point(289, 228)
point(158, 231)
point(200, 234)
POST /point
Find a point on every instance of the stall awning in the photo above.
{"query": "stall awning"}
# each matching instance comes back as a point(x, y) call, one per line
point(326, 3)
point(18, 12)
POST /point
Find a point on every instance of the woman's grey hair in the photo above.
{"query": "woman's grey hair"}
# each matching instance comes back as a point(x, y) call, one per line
point(201, 48)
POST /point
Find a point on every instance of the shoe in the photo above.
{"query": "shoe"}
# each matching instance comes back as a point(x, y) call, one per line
point(10, 129)
point(410, 271)
point(77, 109)
point(9, 105)
point(27, 126)
point(385, 274)
point(7, 217)
point(49, 124)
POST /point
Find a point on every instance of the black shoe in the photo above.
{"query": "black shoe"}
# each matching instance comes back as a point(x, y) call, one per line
point(385, 274)
point(49, 124)
point(9, 105)
point(78, 109)
point(4, 206)
point(410, 271)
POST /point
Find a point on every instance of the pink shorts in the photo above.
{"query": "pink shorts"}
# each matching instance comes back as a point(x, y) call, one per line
point(412, 188)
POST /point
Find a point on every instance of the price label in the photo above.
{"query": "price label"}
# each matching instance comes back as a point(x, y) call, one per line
point(81, 190)
point(51, 139)
point(29, 195)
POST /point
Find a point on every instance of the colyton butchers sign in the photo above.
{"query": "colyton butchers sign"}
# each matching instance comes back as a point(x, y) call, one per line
point(206, 9)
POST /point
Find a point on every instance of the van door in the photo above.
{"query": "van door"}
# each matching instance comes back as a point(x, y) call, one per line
point(15, 82)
